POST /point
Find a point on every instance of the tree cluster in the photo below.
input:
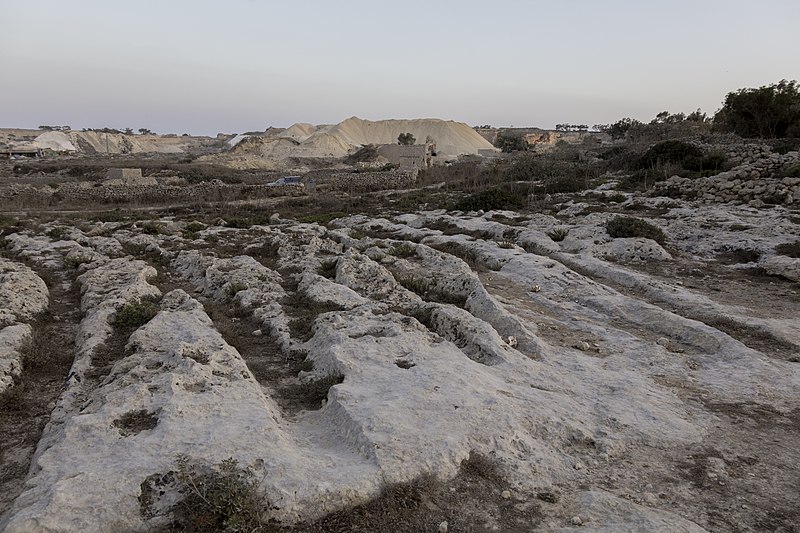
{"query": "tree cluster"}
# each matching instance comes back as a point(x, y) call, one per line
point(406, 139)
point(511, 143)
point(770, 111)
point(125, 131)
point(572, 127)
point(664, 125)
point(55, 128)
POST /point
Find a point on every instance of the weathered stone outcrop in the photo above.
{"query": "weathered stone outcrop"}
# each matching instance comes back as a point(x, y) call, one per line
point(12, 341)
point(404, 345)
point(23, 295)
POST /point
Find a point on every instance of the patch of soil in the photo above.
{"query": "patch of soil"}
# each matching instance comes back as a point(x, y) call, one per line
point(472, 502)
point(274, 369)
point(304, 312)
point(762, 296)
point(736, 256)
point(107, 354)
point(46, 363)
point(744, 476)
point(135, 422)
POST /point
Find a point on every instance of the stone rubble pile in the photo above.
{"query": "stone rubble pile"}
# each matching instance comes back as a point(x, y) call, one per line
point(756, 183)
point(373, 181)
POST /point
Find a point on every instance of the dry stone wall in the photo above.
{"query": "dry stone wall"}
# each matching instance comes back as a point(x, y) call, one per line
point(755, 181)
point(85, 192)
point(373, 181)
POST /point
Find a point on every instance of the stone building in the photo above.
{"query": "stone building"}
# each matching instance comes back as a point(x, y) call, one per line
point(127, 176)
point(408, 157)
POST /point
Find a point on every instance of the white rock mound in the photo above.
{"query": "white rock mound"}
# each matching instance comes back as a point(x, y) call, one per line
point(23, 294)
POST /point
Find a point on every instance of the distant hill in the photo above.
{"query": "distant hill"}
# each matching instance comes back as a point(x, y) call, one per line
point(338, 140)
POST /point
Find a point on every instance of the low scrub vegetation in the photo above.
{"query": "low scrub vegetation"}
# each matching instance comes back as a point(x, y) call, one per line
point(151, 228)
point(235, 287)
point(135, 314)
point(328, 269)
point(58, 233)
point(74, 261)
point(490, 199)
point(687, 156)
point(558, 234)
point(403, 250)
point(634, 227)
point(223, 498)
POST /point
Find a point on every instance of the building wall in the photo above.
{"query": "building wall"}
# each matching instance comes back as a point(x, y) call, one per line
point(409, 157)
point(123, 173)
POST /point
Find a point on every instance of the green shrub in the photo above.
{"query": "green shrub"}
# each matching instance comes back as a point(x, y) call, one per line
point(151, 228)
point(225, 498)
point(403, 250)
point(563, 184)
point(246, 222)
point(135, 314)
point(707, 164)
point(328, 269)
point(74, 261)
point(194, 227)
point(611, 153)
point(490, 199)
point(669, 152)
point(57, 233)
point(322, 218)
point(647, 177)
point(511, 143)
point(414, 284)
point(634, 227)
point(235, 287)
point(558, 234)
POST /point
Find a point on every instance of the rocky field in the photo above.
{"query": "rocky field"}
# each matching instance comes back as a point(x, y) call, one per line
point(493, 371)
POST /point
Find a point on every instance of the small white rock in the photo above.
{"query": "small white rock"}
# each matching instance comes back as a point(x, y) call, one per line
point(506, 494)
point(663, 341)
point(443, 527)
point(582, 346)
point(536, 288)
point(512, 341)
point(579, 466)
point(257, 333)
point(576, 521)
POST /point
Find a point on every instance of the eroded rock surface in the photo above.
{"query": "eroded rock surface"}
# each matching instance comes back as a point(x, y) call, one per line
point(618, 384)
point(23, 296)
